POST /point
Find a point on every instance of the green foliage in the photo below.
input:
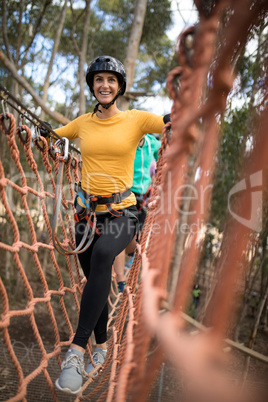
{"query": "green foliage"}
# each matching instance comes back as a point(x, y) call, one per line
point(229, 159)
point(156, 48)
point(115, 12)
point(157, 21)
point(73, 30)
point(110, 43)
point(247, 70)
point(153, 67)
point(30, 11)
point(237, 130)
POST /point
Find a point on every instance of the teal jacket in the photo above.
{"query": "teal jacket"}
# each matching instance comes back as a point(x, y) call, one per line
point(143, 158)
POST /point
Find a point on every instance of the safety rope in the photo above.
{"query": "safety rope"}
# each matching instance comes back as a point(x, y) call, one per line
point(25, 113)
point(89, 229)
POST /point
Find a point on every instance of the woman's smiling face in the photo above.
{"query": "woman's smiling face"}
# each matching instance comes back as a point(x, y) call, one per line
point(105, 86)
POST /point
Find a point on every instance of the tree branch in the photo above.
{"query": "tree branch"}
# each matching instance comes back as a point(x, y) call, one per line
point(22, 81)
point(54, 50)
point(74, 29)
point(4, 30)
point(133, 48)
point(19, 32)
point(82, 59)
point(37, 26)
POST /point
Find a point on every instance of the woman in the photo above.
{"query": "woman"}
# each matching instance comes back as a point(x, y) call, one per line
point(109, 139)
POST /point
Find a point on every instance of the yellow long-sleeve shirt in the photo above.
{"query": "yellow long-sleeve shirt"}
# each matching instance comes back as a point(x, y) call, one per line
point(108, 149)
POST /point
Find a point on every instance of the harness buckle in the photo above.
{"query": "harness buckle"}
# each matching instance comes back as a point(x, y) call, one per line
point(77, 186)
point(117, 198)
point(94, 198)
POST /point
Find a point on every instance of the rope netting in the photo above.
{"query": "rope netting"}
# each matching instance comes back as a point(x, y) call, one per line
point(147, 324)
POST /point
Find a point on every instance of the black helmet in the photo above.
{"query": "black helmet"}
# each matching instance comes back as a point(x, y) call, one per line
point(106, 63)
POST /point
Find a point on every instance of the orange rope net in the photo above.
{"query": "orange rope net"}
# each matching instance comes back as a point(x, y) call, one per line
point(146, 323)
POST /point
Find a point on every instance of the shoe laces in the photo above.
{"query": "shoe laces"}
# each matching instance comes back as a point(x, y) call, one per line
point(73, 361)
point(96, 357)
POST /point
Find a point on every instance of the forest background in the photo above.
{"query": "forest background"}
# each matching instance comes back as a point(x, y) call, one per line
point(45, 48)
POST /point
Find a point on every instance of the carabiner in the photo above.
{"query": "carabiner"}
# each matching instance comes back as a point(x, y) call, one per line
point(58, 154)
point(37, 131)
point(21, 119)
point(4, 108)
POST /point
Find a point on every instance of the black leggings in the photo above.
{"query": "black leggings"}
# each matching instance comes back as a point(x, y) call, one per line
point(96, 262)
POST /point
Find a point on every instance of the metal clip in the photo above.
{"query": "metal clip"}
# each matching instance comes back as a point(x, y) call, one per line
point(21, 120)
point(188, 45)
point(37, 131)
point(58, 154)
point(4, 108)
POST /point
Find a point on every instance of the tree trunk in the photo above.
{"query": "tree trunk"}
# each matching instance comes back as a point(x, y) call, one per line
point(265, 317)
point(19, 33)
point(183, 218)
point(250, 282)
point(35, 29)
point(254, 91)
point(255, 329)
point(82, 61)
point(4, 30)
point(54, 51)
point(133, 48)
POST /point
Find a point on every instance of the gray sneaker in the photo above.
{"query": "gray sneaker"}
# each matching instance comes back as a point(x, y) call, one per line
point(98, 357)
point(71, 377)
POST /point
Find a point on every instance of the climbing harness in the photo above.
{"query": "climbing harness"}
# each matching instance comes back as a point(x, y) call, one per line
point(91, 222)
point(88, 212)
point(143, 199)
point(91, 201)
point(58, 196)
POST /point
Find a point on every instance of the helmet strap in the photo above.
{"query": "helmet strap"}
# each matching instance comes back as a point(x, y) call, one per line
point(96, 109)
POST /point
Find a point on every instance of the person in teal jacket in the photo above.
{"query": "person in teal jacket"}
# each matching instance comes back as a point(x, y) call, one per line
point(146, 153)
